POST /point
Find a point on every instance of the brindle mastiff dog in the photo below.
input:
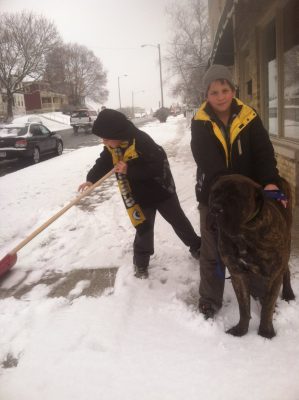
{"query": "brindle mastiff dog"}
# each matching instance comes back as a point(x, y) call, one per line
point(254, 239)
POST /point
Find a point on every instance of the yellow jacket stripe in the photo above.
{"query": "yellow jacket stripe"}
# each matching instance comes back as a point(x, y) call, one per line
point(133, 209)
point(129, 154)
point(246, 115)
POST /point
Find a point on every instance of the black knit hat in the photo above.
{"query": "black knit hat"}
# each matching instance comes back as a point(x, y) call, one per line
point(112, 124)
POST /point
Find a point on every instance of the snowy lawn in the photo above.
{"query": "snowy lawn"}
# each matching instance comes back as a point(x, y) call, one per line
point(145, 340)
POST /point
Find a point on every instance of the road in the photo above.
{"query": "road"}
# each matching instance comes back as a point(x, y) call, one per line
point(71, 141)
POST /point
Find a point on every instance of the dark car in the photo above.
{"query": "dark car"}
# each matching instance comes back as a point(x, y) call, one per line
point(28, 141)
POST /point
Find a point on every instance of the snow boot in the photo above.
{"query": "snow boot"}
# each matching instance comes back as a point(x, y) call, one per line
point(141, 272)
point(207, 310)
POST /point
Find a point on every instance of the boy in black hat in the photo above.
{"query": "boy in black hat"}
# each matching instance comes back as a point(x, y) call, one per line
point(227, 137)
point(145, 182)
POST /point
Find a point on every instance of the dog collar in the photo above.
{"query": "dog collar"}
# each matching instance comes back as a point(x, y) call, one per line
point(255, 214)
point(269, 194)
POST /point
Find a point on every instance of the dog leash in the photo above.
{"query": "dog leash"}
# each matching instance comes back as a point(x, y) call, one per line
point(219, 269)
point(275, 195)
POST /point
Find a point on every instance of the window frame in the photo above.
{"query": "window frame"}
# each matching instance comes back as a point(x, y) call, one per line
point(276, 15)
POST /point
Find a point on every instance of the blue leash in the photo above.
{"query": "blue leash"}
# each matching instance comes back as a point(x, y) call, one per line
point(275, 195)
point(219, 270)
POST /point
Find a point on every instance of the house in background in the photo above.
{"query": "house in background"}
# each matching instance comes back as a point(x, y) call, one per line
point(40, 98)
point(18, 103)
point(259, 41)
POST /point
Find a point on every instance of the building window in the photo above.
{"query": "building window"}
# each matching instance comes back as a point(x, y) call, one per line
point(270, 71)
point(291, 69)
point(46, 100)
point(246, 91)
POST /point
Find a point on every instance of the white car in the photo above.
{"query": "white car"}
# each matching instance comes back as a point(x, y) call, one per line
point(83, 119)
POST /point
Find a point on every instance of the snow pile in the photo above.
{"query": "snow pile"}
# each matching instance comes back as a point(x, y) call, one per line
point(145, 340)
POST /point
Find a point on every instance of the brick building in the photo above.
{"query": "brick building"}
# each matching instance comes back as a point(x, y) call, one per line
point(259, 40)
point(40, 98)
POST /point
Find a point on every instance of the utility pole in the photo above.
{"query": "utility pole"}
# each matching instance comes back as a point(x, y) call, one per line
point(161, 82)
point(160, 65)
point(119, 97)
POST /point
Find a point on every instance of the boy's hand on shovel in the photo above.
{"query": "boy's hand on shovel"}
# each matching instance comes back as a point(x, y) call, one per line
point(84, 186)
point(121, 167)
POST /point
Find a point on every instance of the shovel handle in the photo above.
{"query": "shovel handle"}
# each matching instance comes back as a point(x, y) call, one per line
point(59, 213)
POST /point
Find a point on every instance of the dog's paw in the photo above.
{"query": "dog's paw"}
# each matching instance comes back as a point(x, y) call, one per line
point(267, 333)
point(237, 330)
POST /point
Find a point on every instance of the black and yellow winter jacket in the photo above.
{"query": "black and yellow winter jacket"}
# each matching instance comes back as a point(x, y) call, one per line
point(148, 172)
point(243, 147)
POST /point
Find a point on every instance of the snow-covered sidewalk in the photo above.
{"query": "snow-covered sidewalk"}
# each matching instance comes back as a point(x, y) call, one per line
point(145, 339)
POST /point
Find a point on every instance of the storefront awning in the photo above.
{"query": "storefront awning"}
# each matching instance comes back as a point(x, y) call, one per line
point(223, 46)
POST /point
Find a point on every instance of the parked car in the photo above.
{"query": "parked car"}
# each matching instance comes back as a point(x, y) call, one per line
point(83, 119)
point(28, 141)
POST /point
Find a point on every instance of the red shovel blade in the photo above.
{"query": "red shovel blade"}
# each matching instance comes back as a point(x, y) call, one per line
point(7, 262)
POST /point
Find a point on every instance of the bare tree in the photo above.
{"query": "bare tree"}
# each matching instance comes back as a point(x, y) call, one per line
point(189, 49)
point(76, 71)
point(55, 69)
point(25, 40)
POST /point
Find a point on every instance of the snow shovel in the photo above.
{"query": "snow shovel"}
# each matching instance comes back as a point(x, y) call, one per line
point(10, 259)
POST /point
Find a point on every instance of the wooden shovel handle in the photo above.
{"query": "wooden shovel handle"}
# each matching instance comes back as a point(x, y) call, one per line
point(59, 213)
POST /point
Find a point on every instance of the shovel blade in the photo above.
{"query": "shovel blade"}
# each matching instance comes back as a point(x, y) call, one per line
point(7, 262)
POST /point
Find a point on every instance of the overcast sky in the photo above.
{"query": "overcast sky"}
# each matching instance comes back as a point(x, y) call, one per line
point(115, 31)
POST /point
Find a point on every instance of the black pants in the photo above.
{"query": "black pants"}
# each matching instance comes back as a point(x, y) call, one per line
point(172, 212)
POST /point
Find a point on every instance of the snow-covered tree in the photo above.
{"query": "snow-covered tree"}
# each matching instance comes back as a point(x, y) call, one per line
point(189, 49)
point(25, 41)
point(73, 69)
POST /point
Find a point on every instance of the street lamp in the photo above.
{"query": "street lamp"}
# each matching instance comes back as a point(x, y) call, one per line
point(139, 91)
point(160, 64)
point(118, 78)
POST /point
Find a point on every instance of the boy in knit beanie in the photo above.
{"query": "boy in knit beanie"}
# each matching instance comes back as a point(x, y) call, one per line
point(145, 182)
point(227, 137)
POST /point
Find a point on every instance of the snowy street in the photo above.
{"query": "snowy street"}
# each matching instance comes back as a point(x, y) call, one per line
point(68, 333)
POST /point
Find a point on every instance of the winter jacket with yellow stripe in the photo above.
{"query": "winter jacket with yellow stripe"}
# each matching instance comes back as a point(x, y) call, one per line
point(247, 151)
point(148, 172)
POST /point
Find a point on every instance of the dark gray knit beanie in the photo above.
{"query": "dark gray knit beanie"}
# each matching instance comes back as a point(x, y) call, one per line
point(112, 124)
point(215, 72)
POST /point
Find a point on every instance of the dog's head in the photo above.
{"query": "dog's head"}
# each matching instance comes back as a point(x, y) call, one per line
point(233, 201)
